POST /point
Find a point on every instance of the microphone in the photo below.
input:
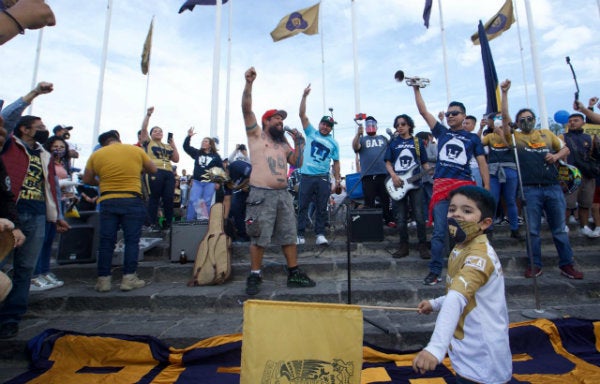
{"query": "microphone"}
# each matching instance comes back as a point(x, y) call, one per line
point(288, 129)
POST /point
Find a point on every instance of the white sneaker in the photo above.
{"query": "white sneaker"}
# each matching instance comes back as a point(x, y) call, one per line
point(321, 240)
point(300, 240)
point(567, 228)
point(40, 284)
point(597, 231)
point(51, 278)
point(573, 220)
point(586, 231)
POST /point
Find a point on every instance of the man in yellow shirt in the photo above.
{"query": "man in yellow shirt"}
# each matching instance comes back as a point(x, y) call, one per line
point(116, 167)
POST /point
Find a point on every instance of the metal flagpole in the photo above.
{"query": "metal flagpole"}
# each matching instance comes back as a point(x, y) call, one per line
point(102, 70)
point(38, 51)
point(228, 89)
point(521, 52)
point(444, 55)
point(355, 56)
point(323, 56)
point(214, 108)
point(539, 86)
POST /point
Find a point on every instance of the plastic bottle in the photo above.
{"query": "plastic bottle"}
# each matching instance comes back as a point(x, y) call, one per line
point(182, 257)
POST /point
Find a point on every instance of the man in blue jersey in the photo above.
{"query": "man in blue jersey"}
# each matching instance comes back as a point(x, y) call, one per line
point(456, 147)
point(320, 149)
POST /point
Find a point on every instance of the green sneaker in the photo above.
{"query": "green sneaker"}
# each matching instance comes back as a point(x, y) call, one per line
point(253, 284)
point(300, 279)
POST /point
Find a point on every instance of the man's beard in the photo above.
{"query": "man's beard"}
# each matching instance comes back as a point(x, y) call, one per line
point(276, 134)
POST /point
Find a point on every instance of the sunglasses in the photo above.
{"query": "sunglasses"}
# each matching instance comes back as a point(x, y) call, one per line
point(452, 113)
point(528, 119)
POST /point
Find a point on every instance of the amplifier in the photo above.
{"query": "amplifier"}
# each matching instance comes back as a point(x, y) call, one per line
point(187, 236)
point(365, 225)
point(80, 243)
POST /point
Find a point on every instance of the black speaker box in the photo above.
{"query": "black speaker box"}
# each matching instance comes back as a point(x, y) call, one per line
point(80, 243)
point(365, 225)
point(187, 236)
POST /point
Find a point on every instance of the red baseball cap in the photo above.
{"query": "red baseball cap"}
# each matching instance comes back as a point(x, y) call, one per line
point(272, 112)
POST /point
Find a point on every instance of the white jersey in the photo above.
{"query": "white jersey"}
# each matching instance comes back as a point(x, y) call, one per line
point(473, 321)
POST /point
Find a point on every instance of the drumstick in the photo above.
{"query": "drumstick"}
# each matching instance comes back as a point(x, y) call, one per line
point(388, 308)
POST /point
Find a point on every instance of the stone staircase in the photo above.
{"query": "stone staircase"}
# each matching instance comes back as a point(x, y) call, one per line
point(181, 315)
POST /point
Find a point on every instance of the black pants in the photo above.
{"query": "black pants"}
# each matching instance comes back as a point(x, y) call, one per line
point(373, 187)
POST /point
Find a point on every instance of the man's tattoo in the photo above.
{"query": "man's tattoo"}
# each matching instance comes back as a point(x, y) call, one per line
point(273, 165)
point(252, 127)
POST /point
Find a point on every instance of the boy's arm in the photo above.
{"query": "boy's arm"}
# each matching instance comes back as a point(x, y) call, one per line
point(445, 325)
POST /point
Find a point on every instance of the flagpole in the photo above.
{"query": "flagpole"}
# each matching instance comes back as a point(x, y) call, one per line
point(228, 89)
point(444, 55)
point(36, 66)
point(536, 68)
point(102, 70)
point(355, 58)
point(214, 108)
point(323, 57)
point(522, 58)
point(148, 73)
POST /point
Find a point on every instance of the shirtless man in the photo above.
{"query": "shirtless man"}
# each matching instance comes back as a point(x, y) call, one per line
point(270, 212)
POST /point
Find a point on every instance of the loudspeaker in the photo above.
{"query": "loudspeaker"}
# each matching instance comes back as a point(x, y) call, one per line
point(366, 225)
point(80, 243)
point(187, 236)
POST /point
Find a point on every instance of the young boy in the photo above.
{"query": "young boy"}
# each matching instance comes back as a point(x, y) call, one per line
point(472, 325)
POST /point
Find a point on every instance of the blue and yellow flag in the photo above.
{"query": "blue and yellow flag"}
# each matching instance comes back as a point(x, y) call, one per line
point(543, 351)
point(303, 21)
point(499, 23)
point(190, 4)
point(492, 89)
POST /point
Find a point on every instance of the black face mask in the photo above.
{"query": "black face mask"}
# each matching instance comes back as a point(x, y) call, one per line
point(41, 136)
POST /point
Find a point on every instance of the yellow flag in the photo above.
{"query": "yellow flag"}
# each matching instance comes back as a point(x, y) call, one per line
point(303, 21)
point(147, 48)
point(292, 342)
point(499, 23)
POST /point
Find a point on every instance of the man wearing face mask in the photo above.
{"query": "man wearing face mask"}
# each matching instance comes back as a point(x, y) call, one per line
point(539, 150)
point(371, 149)
point(33, 183)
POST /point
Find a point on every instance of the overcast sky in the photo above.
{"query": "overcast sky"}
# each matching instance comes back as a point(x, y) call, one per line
point(390, 35)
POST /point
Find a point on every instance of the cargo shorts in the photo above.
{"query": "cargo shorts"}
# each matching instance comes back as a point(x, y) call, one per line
point(270, 217)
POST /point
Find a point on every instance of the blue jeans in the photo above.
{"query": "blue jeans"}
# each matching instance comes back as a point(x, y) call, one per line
point(413, 199)
point(24, 260)
point(551, 200)
point(317, 186)
point(162, 186)
point(43, 263)
point(427, 193)
point(200, 190)
point(439, 237)
point(508, 190)
point(129, 214)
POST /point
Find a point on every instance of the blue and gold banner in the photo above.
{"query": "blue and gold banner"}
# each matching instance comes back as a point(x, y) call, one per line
point(544, 351)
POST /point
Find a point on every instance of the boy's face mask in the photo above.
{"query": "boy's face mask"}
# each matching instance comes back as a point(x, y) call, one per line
point(463, 231)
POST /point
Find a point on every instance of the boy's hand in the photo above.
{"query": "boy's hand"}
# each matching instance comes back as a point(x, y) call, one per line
point(424, 362)
point(424, 307)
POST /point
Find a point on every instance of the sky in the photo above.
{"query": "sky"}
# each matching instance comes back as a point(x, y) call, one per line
point(390, 36)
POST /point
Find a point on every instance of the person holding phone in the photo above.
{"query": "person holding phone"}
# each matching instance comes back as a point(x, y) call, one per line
point(162, 183)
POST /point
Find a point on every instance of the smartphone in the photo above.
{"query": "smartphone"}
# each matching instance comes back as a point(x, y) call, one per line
point(169, 136)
